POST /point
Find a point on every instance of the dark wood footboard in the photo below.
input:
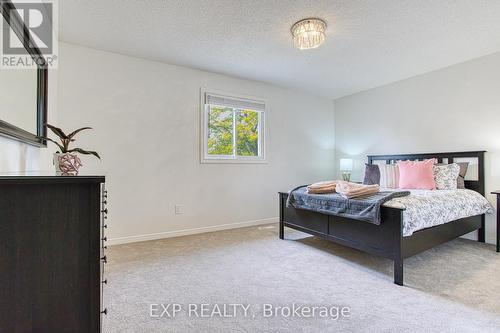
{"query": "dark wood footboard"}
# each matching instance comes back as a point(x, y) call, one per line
point(384, 240)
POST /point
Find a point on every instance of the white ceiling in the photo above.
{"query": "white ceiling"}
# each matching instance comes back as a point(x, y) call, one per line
point(369, 42)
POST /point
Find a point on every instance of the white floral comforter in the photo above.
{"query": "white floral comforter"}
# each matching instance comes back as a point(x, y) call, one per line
point(426, 208)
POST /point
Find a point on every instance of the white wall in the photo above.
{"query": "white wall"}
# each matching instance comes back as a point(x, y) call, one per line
point(20, 157)
point(146, 126)
point(453, 109)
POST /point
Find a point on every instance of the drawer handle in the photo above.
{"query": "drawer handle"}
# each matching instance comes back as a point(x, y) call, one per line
point(105, 202)
point(104, 259)
point(105, 247)
point(105, 211)
point(105, 226)
point(105, 311)
point(104, 239)
point(105, 281)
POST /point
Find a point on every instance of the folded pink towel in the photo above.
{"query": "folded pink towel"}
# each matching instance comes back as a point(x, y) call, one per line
point(352, 190)
point(322, 187)
point(346, 189)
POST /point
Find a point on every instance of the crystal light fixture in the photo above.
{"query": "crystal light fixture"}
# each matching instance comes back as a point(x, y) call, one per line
point(308, 33)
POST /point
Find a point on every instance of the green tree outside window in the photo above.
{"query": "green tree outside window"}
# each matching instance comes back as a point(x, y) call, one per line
point(225, 123)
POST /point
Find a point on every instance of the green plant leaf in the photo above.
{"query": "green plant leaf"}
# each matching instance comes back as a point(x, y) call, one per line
point(55, 142)
point(85, 152)
point(57, 131)
point(72, 134)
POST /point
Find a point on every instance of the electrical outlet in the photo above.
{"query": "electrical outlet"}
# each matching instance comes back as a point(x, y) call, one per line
point(179, 209)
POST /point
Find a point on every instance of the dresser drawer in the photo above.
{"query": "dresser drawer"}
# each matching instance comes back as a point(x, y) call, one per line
point(50, 274)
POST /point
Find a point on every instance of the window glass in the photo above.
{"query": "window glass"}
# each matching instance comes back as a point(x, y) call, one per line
point(247, 131)
point(220, 131)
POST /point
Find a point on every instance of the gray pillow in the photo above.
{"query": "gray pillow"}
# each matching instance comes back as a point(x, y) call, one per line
point(372, 174)
point(461, 175)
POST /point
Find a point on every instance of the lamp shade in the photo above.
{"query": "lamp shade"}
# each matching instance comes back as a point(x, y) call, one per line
point(345, 164)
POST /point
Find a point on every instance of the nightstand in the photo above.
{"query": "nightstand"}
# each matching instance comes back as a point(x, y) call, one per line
point(498, 218)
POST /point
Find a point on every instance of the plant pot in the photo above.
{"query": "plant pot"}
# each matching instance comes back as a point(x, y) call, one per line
point(67, 164)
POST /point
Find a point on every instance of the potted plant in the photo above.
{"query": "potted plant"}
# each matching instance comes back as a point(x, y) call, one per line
point(66, 161)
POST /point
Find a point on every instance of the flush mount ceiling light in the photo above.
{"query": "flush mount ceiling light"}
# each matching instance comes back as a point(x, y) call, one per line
point(308, 33)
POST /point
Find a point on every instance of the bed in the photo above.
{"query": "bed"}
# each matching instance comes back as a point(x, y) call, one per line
point(390, 239)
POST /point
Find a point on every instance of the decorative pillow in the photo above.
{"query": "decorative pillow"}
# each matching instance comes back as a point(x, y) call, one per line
point(389, 175)
point(446, 175)
point(461, 175)
point(417, 174)
point(372, 174)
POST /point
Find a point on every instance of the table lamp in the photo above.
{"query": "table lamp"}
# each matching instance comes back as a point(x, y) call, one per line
point(346, 168)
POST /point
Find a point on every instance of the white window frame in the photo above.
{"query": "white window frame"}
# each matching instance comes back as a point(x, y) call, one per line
point(205, 157)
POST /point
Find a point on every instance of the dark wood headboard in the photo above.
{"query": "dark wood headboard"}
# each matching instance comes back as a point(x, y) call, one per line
point(476, 185)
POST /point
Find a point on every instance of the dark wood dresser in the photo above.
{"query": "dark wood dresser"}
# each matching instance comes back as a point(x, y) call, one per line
point(52, 256)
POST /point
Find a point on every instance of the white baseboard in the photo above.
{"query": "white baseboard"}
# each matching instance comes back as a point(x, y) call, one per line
point(185, 232)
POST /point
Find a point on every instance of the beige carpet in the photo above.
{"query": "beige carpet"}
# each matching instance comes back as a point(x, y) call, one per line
point(452, 288)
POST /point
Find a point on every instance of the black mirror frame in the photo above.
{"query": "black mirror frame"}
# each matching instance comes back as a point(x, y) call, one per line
point(7, 129)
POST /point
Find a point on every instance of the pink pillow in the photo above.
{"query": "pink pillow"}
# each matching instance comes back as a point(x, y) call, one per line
point(417, 174)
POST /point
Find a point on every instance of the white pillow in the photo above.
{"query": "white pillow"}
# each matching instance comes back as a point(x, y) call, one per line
point(389, 175)
point(445, 176)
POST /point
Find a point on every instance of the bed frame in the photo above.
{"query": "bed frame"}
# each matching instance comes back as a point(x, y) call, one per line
point(386, 240)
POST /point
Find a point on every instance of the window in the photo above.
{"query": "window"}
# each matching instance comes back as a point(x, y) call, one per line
point(233, 129)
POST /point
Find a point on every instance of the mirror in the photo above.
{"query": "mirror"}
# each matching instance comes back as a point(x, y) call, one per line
point(23, 96)
point(18, 98)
